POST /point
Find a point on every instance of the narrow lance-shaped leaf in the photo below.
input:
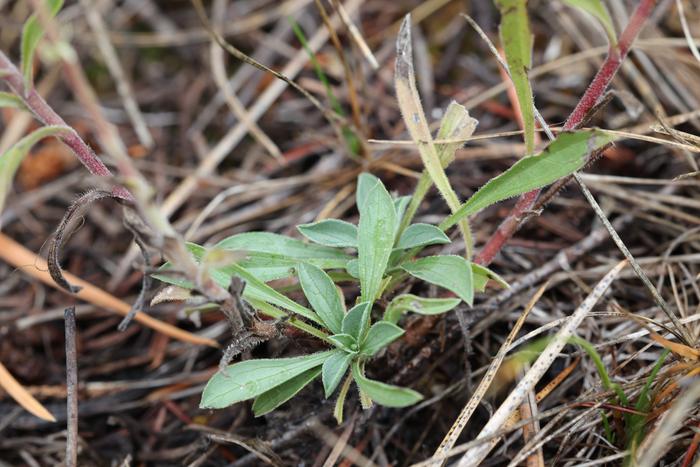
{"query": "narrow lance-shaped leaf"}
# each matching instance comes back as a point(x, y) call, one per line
point(323, 296)
point(381, 334)
point(330, 232)
point(451, 272)
point(382, 393)
point(10, 161)
point(31, 35)
point(9, 100)
point(421, 235)
point(417, 124)
point(564, 156)
point(598, 10)
point(251, 378)
point(334, 368)
point(270, 400)
point(356, 321)
point(375, 240)
point(421, 305)
point(517, 44)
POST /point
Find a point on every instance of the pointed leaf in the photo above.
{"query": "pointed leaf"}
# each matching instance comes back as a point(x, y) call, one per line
point(482, 276)
point(31, 35)
point(323, 296)
point(517, 44)
point(421, 305)
point(248, 379)
point(334, 368)
point(272, 243)
point(331, 232)
point(382, 393)
point(454, 273)
point(598, 10)
point(345, 342)
point(375, 239)
point(270, 400)
point(353, 268)
point(400, 205)
point(9, 100)
point(421, 235)
point(365, 183)
point(11, 160)
point(356, 322)
point(381, 334)
point(564, 156)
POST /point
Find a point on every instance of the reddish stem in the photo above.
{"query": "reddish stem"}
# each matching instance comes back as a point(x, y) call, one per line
point(601, 81)
point(34, 102)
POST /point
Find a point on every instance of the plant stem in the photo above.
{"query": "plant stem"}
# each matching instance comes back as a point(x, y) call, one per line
point(595, 91)
point(45, 114)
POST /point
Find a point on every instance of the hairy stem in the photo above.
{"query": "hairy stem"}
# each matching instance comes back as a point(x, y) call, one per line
point(593, 94)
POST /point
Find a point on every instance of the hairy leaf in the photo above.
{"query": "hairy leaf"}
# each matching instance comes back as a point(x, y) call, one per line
point(11, 160)
point(517, 44)
point(381, 334)
point(365, 183)
point(451, 272)
point(482, 276)
point(345, 342)
point(323, 296)
point(270, 400)
point(375, 239)
point(331, 232)
point(31, 35)
point(9, 100)
point(356, 321)
point(251, 378)
point(564, 156)
point(382, 393)
point(271, 243)
point(598, 10)
point(421, 305)
point(421, 235)
point(334, 368)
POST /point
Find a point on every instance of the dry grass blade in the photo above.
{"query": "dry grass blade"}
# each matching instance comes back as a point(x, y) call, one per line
point(18, 256)
point(463, 418)
point(544, 361)
point(660, 442)
point(22, 396)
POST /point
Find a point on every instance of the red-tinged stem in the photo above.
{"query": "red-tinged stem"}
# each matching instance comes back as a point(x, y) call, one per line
point(38, 106)
point(601, 81)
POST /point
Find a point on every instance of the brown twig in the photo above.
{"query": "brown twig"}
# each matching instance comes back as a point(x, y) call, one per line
point(72, 390)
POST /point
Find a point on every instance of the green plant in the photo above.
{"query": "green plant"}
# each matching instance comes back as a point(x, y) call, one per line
point(374, 257)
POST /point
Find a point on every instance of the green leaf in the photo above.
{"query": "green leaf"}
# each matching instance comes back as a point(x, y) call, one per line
point(417, 124)
point(451, 272)
point(564, 156)
point(345, 342)
point(334, 368)
point(375, 239)
point(322, 295)
point(330, 232)
point(482, 276)
point(248, 379)
point(421, 235)
point(365, 183)
point(353, 268)
point(270, 400)
point(356, 322)
point(9, 100)
point(421, 305)
point(272, 243)
point(380, 335)
point(382, 393)
point(517, 44)
point(598, 10)
point(31, 35)
point(11, 160)
point(400, 205)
